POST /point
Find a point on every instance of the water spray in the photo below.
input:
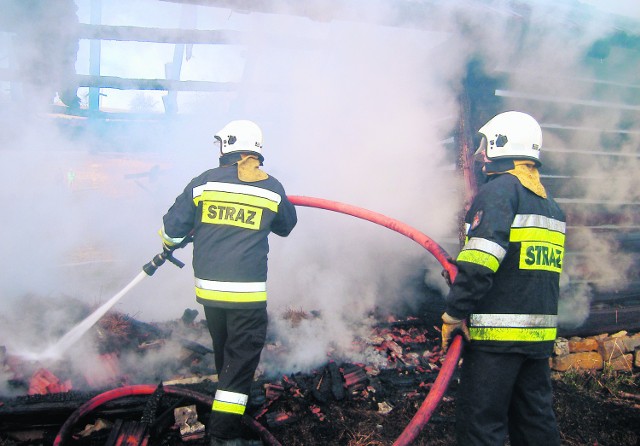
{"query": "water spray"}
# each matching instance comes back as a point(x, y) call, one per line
point(56, 350)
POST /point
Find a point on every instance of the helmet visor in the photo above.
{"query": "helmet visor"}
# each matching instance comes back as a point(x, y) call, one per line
point(481, 152)
point(217, 143)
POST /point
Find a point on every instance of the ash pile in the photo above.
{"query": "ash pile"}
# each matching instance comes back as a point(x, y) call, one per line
point(175, 363)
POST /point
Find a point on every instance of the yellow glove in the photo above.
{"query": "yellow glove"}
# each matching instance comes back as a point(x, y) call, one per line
point(452, 326)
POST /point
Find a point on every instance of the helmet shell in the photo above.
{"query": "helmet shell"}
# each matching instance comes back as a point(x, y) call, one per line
point(513, 135)
point(240, 136)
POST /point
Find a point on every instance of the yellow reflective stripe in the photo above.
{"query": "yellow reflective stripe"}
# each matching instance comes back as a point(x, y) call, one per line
point(482, 244)
point(231, 291)
point(219, 406)
point(536, 234)
point(235, 190)
point(226, 296)
point(479, 258)
point(229, 402)
point(249, 200)
point(512, 334)
point(244, 189)
point(538, 221)
point(533, 227)
point(482, 252)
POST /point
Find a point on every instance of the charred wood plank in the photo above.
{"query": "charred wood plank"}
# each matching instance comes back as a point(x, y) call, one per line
point(337, 383)
point(54, 409)
point(128, 433)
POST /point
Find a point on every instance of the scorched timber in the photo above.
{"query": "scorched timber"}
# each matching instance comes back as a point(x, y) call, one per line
point(30, 412)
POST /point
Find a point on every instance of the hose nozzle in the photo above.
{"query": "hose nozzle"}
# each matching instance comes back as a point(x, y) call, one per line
point(154, 264)
point(166, 254)
point(159, 260)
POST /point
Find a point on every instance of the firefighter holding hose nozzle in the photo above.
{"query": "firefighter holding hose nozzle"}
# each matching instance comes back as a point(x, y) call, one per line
point(230, 211)
point(504, 299)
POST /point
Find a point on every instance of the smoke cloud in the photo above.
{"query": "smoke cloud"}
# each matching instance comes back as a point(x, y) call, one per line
point(358, 104)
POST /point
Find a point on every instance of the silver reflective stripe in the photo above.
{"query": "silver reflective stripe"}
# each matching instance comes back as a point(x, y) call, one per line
point(231, 397)
point(538, 221)
point(513, 320)
point(467, 227)
point(482, 244)
point(237, 189)
point(171, 240)
point(234, 287)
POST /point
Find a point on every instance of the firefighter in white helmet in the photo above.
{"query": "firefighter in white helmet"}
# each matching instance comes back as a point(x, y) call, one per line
point(504, 299)
point(230, 211)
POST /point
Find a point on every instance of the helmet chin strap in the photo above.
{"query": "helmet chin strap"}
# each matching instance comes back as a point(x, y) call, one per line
point(494, 167)
point(229, 159)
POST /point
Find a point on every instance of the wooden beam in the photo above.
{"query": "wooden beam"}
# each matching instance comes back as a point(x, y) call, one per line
point(158, 35)
point(121, 83)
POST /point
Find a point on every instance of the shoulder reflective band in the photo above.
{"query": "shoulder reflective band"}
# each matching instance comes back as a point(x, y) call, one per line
point(237, 193)
point(513, 327)
point(482, 252)
point(231, 291)
point(229, 402)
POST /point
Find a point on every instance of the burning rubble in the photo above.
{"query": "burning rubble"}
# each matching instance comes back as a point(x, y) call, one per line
point(410, 351)
point(167, 395)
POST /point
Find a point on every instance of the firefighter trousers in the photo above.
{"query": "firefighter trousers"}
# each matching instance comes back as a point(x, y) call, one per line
point(502, 393)
point(238, 337)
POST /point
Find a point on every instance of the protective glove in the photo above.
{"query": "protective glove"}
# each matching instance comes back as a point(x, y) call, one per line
point(451, 326)
point(447, 277)
point(445, 273)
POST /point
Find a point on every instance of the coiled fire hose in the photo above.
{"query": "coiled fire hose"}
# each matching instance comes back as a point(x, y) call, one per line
point(428, 406)
point(433, 399)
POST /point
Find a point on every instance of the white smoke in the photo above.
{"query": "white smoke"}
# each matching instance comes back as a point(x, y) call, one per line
point(356, 105)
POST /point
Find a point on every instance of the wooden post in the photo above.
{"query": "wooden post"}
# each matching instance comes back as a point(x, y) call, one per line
point(94, 56)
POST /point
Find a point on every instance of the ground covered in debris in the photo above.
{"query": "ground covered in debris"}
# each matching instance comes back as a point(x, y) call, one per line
point(338, 403)
point(586, 415)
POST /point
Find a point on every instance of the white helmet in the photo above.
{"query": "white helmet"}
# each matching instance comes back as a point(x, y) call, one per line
point(512, 135)
point(240, 136)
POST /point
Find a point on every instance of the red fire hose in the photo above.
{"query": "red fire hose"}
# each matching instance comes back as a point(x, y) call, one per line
point(431, 402)
point(147, 389)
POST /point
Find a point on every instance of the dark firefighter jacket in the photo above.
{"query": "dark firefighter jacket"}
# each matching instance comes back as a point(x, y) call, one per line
point(508, 270)
point(230, 221)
